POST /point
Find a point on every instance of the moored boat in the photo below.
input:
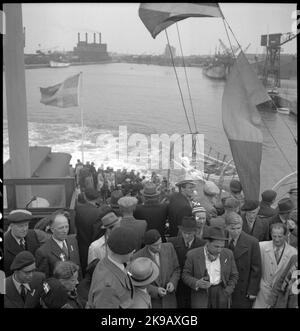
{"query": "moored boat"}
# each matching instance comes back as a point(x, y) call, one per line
point(56, 64)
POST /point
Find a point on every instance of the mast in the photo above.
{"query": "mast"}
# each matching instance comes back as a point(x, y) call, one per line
point(16, 100)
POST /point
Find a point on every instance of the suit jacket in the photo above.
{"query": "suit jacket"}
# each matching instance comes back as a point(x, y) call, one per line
point(266, 210)
point(50, 253)
point(12, 298)
point(33, 241)
point(195, 267)
point(169, 271)
point(271, 271)
point(248, 261)
point(139, 227)
point(260, 228)
point(179, 206)
point(85, 219)
point(141, 299)
point(155, 216)
point(110, 287)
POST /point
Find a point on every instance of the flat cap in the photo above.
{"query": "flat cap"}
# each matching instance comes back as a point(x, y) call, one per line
point(235, 186)
point(22, 260)
point(268, 195)
point(250, 205)
point(151, 237)
point(285, 205)
point(19, 216)
point(185, 181)
point(122, 240)
point(231, 203)
point(210, 188)
point(127, 202)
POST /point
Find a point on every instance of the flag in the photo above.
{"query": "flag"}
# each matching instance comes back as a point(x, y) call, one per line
point(158, 16)
point(62, 95)
point(241, 122)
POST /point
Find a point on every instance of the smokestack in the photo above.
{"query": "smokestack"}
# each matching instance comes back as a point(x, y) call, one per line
point(99, 38)
point(78, 37)
point(94, 38)
point(86, 37)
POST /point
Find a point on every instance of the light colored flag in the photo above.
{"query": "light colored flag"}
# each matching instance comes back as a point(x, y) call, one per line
point(158, 16)
point(62, 95)
point(242, 121)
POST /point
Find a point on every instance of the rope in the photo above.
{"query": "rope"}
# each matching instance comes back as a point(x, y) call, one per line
point(178, 82)
point(186, 78)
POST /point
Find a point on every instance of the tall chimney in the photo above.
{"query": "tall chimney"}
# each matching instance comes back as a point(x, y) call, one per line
point(94, 38)
point(99, 38)
point(86, 37)
point(78, 37)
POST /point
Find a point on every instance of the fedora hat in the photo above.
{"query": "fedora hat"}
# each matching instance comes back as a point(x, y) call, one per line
point(150, 190)
point(143, 271)
point(109, 219)
point(188, 224)
point(285, 205)
point(215, 232)
point(122, 240)
point(185, 181)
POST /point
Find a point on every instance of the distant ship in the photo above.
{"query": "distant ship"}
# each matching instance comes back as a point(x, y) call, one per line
point(56, 64)
point(216, 71)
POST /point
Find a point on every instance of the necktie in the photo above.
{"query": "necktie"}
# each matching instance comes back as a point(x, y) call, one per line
point(231, 245)
point(65, 250)
point(22, 244)
point(23, 292)
point(277, 254)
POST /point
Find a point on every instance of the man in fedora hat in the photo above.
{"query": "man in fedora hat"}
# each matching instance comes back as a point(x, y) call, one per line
point(163, 289)
point(23, 288)
point(184, 242)
point(127, 207)
point(111, 285)
point(98, 248)
point(285, 207)
point(154, 212)
point(253, 224)
point(247, 257)
point(143, 272)
point(19, 237)
point(211, 272)
point(267, 199)
point(180, 205)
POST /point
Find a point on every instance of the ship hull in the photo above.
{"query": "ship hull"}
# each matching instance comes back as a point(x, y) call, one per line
point(215, 72)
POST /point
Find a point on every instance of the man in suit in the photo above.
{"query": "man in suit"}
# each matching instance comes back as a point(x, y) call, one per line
point(247, 257)
point(87, 214)
point(211, 272)
point(154, 212)
point(267, 199)
point(127, 207)
point(23, 288)
point(253, 224)
point(60, 247)
point(275, 255)
point(180, 205)
point(285, 207)
point(236, 192)
point(163, 289)
point(209, 199)
point(111, 285)
point(19, 237)
point(184, 242)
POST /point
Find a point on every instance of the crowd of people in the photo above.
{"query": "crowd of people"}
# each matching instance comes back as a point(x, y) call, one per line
point(138, 244)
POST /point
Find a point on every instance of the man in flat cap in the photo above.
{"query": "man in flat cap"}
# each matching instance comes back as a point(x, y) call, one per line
point(247, 257)
point(163, 289)
point(60, 247)
point(23, 288)
point(19, 237)
point(127, 207)
point(180, 205)
point(111, 285)
point(267, 199)
point(236, 191)
point(209, 199)
point(253, 224)
point(211, 272)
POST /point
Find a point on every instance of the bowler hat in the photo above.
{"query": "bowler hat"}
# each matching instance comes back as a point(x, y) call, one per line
point(268, 196)
point(250, 205)
point(122, 240)
point(188, 224)
point(185, 181)
point(235, 186)
point(54, 294)
point(210, 188)
point(92, 194)
point(285, 205)
point(127, 202)
point(143, 271)
point(115, 196)
point(109, 220)
point(19, 216)
point(151, 237)
point(150, 190)
point(22, 260)
point(215, 233)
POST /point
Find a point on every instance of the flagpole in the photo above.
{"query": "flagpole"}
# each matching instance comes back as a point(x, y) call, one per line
point(81, 115)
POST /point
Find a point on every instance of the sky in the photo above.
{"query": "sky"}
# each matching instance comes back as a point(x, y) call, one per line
point(55, 26)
